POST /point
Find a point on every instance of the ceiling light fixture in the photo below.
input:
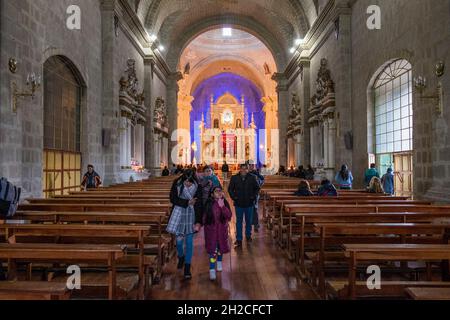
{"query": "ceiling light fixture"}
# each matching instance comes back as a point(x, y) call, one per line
point(299, 41)
point(227, 32)
point(161, 47)
point(292, 50)
point(153, 38)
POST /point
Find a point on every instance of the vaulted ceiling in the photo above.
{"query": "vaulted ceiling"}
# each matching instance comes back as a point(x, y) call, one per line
point(277, 23)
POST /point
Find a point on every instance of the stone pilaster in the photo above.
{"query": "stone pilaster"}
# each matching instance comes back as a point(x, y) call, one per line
point(283, 115)
point(172, 111)
point(110, 93)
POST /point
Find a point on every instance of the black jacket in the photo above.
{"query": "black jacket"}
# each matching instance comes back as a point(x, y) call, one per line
point(243, 191)
point(177, 201)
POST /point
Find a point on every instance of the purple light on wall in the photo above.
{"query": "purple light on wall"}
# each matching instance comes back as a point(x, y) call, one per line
point(218, 86)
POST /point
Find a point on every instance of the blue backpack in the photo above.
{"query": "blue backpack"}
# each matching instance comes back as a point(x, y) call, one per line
point(9, 198)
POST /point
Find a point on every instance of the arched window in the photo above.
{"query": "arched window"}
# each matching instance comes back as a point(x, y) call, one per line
point(62, 118)
point(394, 121)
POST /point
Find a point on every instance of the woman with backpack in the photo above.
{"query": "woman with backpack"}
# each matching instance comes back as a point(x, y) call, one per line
point(186, 217)
point(216, 218)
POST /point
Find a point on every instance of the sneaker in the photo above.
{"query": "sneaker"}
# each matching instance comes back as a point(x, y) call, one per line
point(219, 266)
point(180, 263)
point(238, 243)
point(249, 239)
point(187, 272)
point(212, 275)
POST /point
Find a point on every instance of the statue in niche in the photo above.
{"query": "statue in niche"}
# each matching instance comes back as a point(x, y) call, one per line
point(295, 117)
point(324, 83)
point(247, 150)
point(160, 113)
point(238, 124)
point(129, 82)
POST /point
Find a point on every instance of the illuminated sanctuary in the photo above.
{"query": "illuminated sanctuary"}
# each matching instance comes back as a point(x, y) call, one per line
point(229, 138)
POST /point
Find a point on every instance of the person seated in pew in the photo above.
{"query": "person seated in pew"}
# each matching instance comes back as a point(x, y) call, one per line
point(216, 217)
point(375, 186)
point(91, 179)
point(310, 173)
point(344, 178)
point(327, 189)
point(304, 189)
point(388, 182)
point(165, 172)
point(186, 218)
point(370, 173)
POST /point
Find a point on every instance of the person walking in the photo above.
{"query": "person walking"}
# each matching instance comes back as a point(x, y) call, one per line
point(186, 217)
point(208, 180)
point(216, 217)
point(260, 179)
point(243, 190)
point(388, 182)
point(370, 173)
point(225, 170)
point(91, 179)
point(344, 178)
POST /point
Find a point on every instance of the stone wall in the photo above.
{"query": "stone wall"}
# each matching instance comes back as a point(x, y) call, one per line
point(31, 32)
point(418, 31)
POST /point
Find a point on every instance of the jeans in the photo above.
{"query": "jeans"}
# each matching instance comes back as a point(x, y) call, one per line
point(188, 253)
point(255, 218)
point(240, 214)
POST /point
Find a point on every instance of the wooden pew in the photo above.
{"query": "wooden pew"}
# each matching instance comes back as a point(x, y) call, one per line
point(157, 220)
point(305, 219)
point(60, 253)
point(390, 252)
point(89, 234)
point(80, 207)
point(33, 290)
point(339, 233)
point(421, 293)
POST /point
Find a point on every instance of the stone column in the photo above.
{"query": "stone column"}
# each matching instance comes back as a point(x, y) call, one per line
point(331, 143)
point(283, 116)
point(150, 155)
point(172, 113)
point(306, 95)
point(110, 93)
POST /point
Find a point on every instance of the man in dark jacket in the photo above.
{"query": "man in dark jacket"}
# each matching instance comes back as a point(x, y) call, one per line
point(243, 189)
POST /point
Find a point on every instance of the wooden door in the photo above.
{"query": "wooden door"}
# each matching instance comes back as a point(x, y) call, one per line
point(403, 165)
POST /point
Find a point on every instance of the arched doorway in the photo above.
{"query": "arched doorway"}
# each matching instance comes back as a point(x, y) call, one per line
point(63, 91)
point(393, 123)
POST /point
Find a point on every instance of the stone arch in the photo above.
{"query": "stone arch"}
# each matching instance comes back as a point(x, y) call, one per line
point(245, 24)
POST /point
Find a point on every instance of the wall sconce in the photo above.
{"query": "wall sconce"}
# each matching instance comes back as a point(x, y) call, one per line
point(420, 83)
point(33, 82)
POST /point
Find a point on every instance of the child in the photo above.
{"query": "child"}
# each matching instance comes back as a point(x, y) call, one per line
point(216, 217)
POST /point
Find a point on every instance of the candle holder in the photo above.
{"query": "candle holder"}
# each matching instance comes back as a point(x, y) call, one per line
point(33, 83)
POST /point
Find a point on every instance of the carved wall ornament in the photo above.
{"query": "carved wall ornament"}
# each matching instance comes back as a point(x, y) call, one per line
point(440, 68)
point(160, 113)
point(12, 64)
point(295, 117)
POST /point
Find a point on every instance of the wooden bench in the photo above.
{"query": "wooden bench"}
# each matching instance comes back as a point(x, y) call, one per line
point(340, 233)
point(90, 234)
point(60, 253)
point(389, 289)
point(33, 290)
point(390, 252)
point(426, 293)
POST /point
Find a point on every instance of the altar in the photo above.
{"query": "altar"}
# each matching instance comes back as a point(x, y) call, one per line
point(230, 137)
